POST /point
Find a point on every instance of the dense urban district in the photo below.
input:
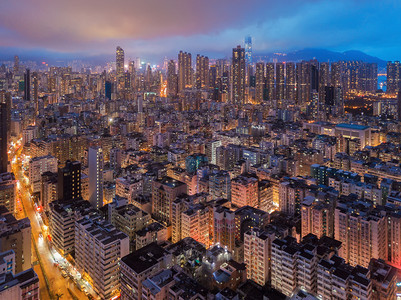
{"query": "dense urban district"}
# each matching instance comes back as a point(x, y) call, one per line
point(200, 179)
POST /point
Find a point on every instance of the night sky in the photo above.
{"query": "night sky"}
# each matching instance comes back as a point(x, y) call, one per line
point(162, 27)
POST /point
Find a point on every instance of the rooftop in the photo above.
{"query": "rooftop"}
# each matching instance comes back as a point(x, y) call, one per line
point(352, 126)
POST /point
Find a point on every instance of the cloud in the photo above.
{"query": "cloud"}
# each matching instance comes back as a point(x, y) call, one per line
point(156, 27)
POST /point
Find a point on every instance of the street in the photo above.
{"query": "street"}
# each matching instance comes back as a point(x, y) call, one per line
point(56, 287)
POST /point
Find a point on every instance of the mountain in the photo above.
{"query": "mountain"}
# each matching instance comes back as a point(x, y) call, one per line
point(322, 55)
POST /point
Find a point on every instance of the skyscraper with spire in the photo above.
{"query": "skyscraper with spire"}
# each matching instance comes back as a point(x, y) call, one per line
point(248, 49)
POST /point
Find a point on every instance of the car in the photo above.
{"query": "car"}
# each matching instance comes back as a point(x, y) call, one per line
point(64, 274)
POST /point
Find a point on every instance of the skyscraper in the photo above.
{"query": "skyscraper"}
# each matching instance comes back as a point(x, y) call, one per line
point(120, 68)
point(95, 158)
point(290, 81)
point(238, 76)
point(36, 92)
point(248, 49)
point(119, 61)
point(3, 137)
point(280, 83)
point(303, 82)
point(336, 74)
point(202, 71)
point(16, 64)
point(393, 76)
point(27, 85)
point(172, 80)
point(399, 105)
point(107, 89)
point(132, 72)
point(324, 79)
point(270, 81)
point(260, 81)
point(184, 71)
point(5, 97)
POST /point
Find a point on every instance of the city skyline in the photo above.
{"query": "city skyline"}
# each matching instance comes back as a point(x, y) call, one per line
point(26, 29)
point(187, 150)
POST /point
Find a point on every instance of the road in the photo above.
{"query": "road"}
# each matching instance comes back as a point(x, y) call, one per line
point(59, 286)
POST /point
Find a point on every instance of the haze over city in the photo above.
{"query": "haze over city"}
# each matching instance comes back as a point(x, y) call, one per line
point(154, 29)
point(199, 150)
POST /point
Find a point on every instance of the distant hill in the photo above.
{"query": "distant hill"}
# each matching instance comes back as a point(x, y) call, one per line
point(321, 55)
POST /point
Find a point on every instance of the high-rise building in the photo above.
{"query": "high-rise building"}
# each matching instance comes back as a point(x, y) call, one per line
point(18, 286)
point(99, 248)
point(164, 192)
point(270, 81)
point(394, 227)
point(303, 82)
point(257, 253)
point(314, 75)
point(280, 82)
point(399, 105)
point(16, 65)
point(127, 218)
point(8, 191)
point(338, 280)
point(290, 81)
point(295, 264)
point(120, 68)
point(140, 265)
point(172, 79)
point(220, 185)
point(362, 232)
point(238, 76)
point(316, 218)
point(224, 227)
point(16, 235)
point(184, 71)
point(211, 148)
point(324, 79)
point(48, 189)
point(244, 191)
point(38, 166)
point(393, 77)
point(108, 89)
point(248, 49)
point(4, 132)
point(119, 61)
point(95, 159)
point(27, 85)
point(202, 71)
point(292, 193)
point(195, 223)
point(5, 97)
point(62, 217)
point(260, 82)
point(69, 182)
